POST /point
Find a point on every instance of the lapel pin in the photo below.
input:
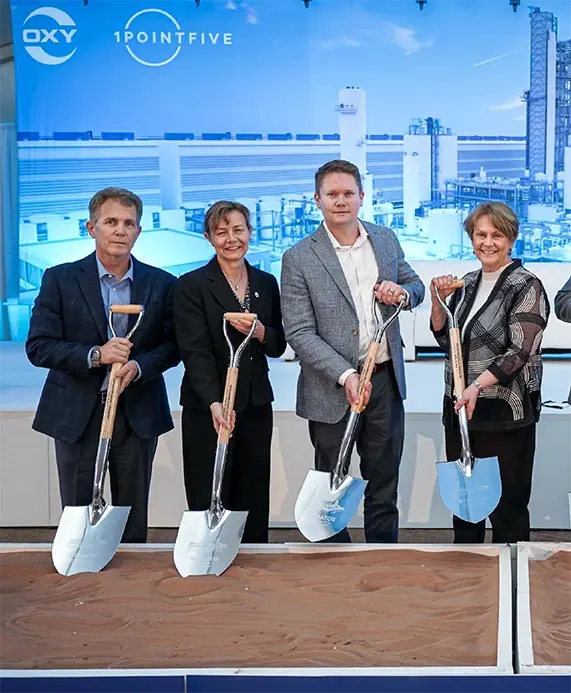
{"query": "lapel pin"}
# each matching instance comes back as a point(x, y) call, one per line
point(256, 294)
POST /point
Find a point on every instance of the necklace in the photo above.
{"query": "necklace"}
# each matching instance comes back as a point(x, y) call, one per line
point(234, 285)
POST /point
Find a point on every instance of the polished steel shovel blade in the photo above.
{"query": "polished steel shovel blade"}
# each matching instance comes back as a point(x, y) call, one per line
point(204, 546)
point(474, 497)
point(85, 546)
point(320, 512)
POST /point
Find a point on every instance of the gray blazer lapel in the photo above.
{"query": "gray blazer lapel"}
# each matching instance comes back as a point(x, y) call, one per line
point(326, 253)
point(383, 261)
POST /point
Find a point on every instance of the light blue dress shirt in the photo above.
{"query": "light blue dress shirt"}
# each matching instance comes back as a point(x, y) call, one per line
point(113, 291)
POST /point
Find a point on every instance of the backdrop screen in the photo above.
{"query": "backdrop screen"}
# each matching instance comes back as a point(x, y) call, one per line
point(240, 100)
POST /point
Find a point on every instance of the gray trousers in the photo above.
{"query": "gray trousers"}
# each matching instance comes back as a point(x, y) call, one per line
point(130, 464)
point(379, 443)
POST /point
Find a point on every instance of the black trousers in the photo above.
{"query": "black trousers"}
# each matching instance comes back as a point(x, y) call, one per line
point(379, 444)
point(246, 482)
point(130, 465)
point(515, 451)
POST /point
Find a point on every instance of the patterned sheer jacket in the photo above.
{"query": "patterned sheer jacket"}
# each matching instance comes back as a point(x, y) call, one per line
point(504, 337)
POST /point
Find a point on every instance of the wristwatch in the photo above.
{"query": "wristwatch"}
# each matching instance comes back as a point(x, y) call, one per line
point(95, 358)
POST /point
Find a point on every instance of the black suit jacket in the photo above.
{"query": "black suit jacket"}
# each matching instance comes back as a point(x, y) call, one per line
point(201, 298)
point(69, 318)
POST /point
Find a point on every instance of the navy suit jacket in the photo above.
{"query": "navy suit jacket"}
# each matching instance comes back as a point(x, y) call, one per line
point(68, 319)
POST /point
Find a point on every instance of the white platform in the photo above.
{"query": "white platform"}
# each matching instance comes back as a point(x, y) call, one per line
point(28, 478)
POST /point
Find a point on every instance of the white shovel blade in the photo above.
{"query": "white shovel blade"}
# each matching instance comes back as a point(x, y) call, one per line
point(321, 513)
point(79, 546)
point(204, 550)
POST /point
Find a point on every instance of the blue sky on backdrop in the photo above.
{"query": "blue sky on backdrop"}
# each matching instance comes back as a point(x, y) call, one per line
point(463, 61)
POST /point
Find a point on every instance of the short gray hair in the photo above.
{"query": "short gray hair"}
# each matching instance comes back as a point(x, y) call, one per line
point(125, 197)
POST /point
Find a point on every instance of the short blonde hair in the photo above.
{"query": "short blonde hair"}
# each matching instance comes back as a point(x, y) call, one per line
point(502, 217)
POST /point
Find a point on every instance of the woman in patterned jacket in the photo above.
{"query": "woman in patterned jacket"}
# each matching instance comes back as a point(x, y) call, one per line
point(502, 319)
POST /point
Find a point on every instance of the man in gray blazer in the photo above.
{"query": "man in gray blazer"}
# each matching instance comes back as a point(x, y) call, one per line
point(327, 288)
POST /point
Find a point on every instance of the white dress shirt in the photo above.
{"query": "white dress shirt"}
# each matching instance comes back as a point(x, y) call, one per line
point(361, 271)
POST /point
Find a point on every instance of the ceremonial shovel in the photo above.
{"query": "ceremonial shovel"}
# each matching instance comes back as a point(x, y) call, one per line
point(328, 500)
point(208, 540)
point(88, 535)
point(470, 488)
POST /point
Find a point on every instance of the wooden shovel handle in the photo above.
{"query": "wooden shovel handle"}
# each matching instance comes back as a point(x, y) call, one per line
point(126, 308)
point(457, 361)
point(366, 375)
point(250, 317)
point(457, 284)
point(111, 403)
point(228, 403)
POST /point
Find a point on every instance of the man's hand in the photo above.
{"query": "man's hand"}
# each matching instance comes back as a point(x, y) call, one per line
point(389, 293)
point(244, 326)
point(218, 417)
point(127, 373)
point(116, 350)
point(352, 390)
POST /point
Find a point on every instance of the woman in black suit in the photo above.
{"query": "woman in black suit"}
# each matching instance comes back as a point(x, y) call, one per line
point(228, 283)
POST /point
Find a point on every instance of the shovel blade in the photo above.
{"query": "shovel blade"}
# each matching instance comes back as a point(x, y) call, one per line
point(82, 547)
point(471, 498)
point(320, 512)
point(204, 550)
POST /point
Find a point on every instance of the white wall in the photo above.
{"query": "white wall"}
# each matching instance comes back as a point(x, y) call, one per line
point(29, 492)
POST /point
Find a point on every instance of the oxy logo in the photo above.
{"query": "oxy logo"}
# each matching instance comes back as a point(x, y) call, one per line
point(154, 37)
point(36, 38)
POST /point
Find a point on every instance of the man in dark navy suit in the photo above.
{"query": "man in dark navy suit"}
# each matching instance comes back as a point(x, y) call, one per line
point(69, 335)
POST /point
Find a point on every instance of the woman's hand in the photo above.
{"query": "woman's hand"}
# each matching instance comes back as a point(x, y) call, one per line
point(218, 417)
point(446, 285)
point(468, 399)
point(244, 327)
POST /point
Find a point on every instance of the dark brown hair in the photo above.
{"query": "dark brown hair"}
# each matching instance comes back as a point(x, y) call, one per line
point(125, 197)
point(221, 210)
point(337, 166)
point(502, 217)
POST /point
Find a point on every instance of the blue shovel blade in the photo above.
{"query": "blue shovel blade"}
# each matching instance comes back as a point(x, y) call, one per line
point(321, 513)
point(471, 498)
